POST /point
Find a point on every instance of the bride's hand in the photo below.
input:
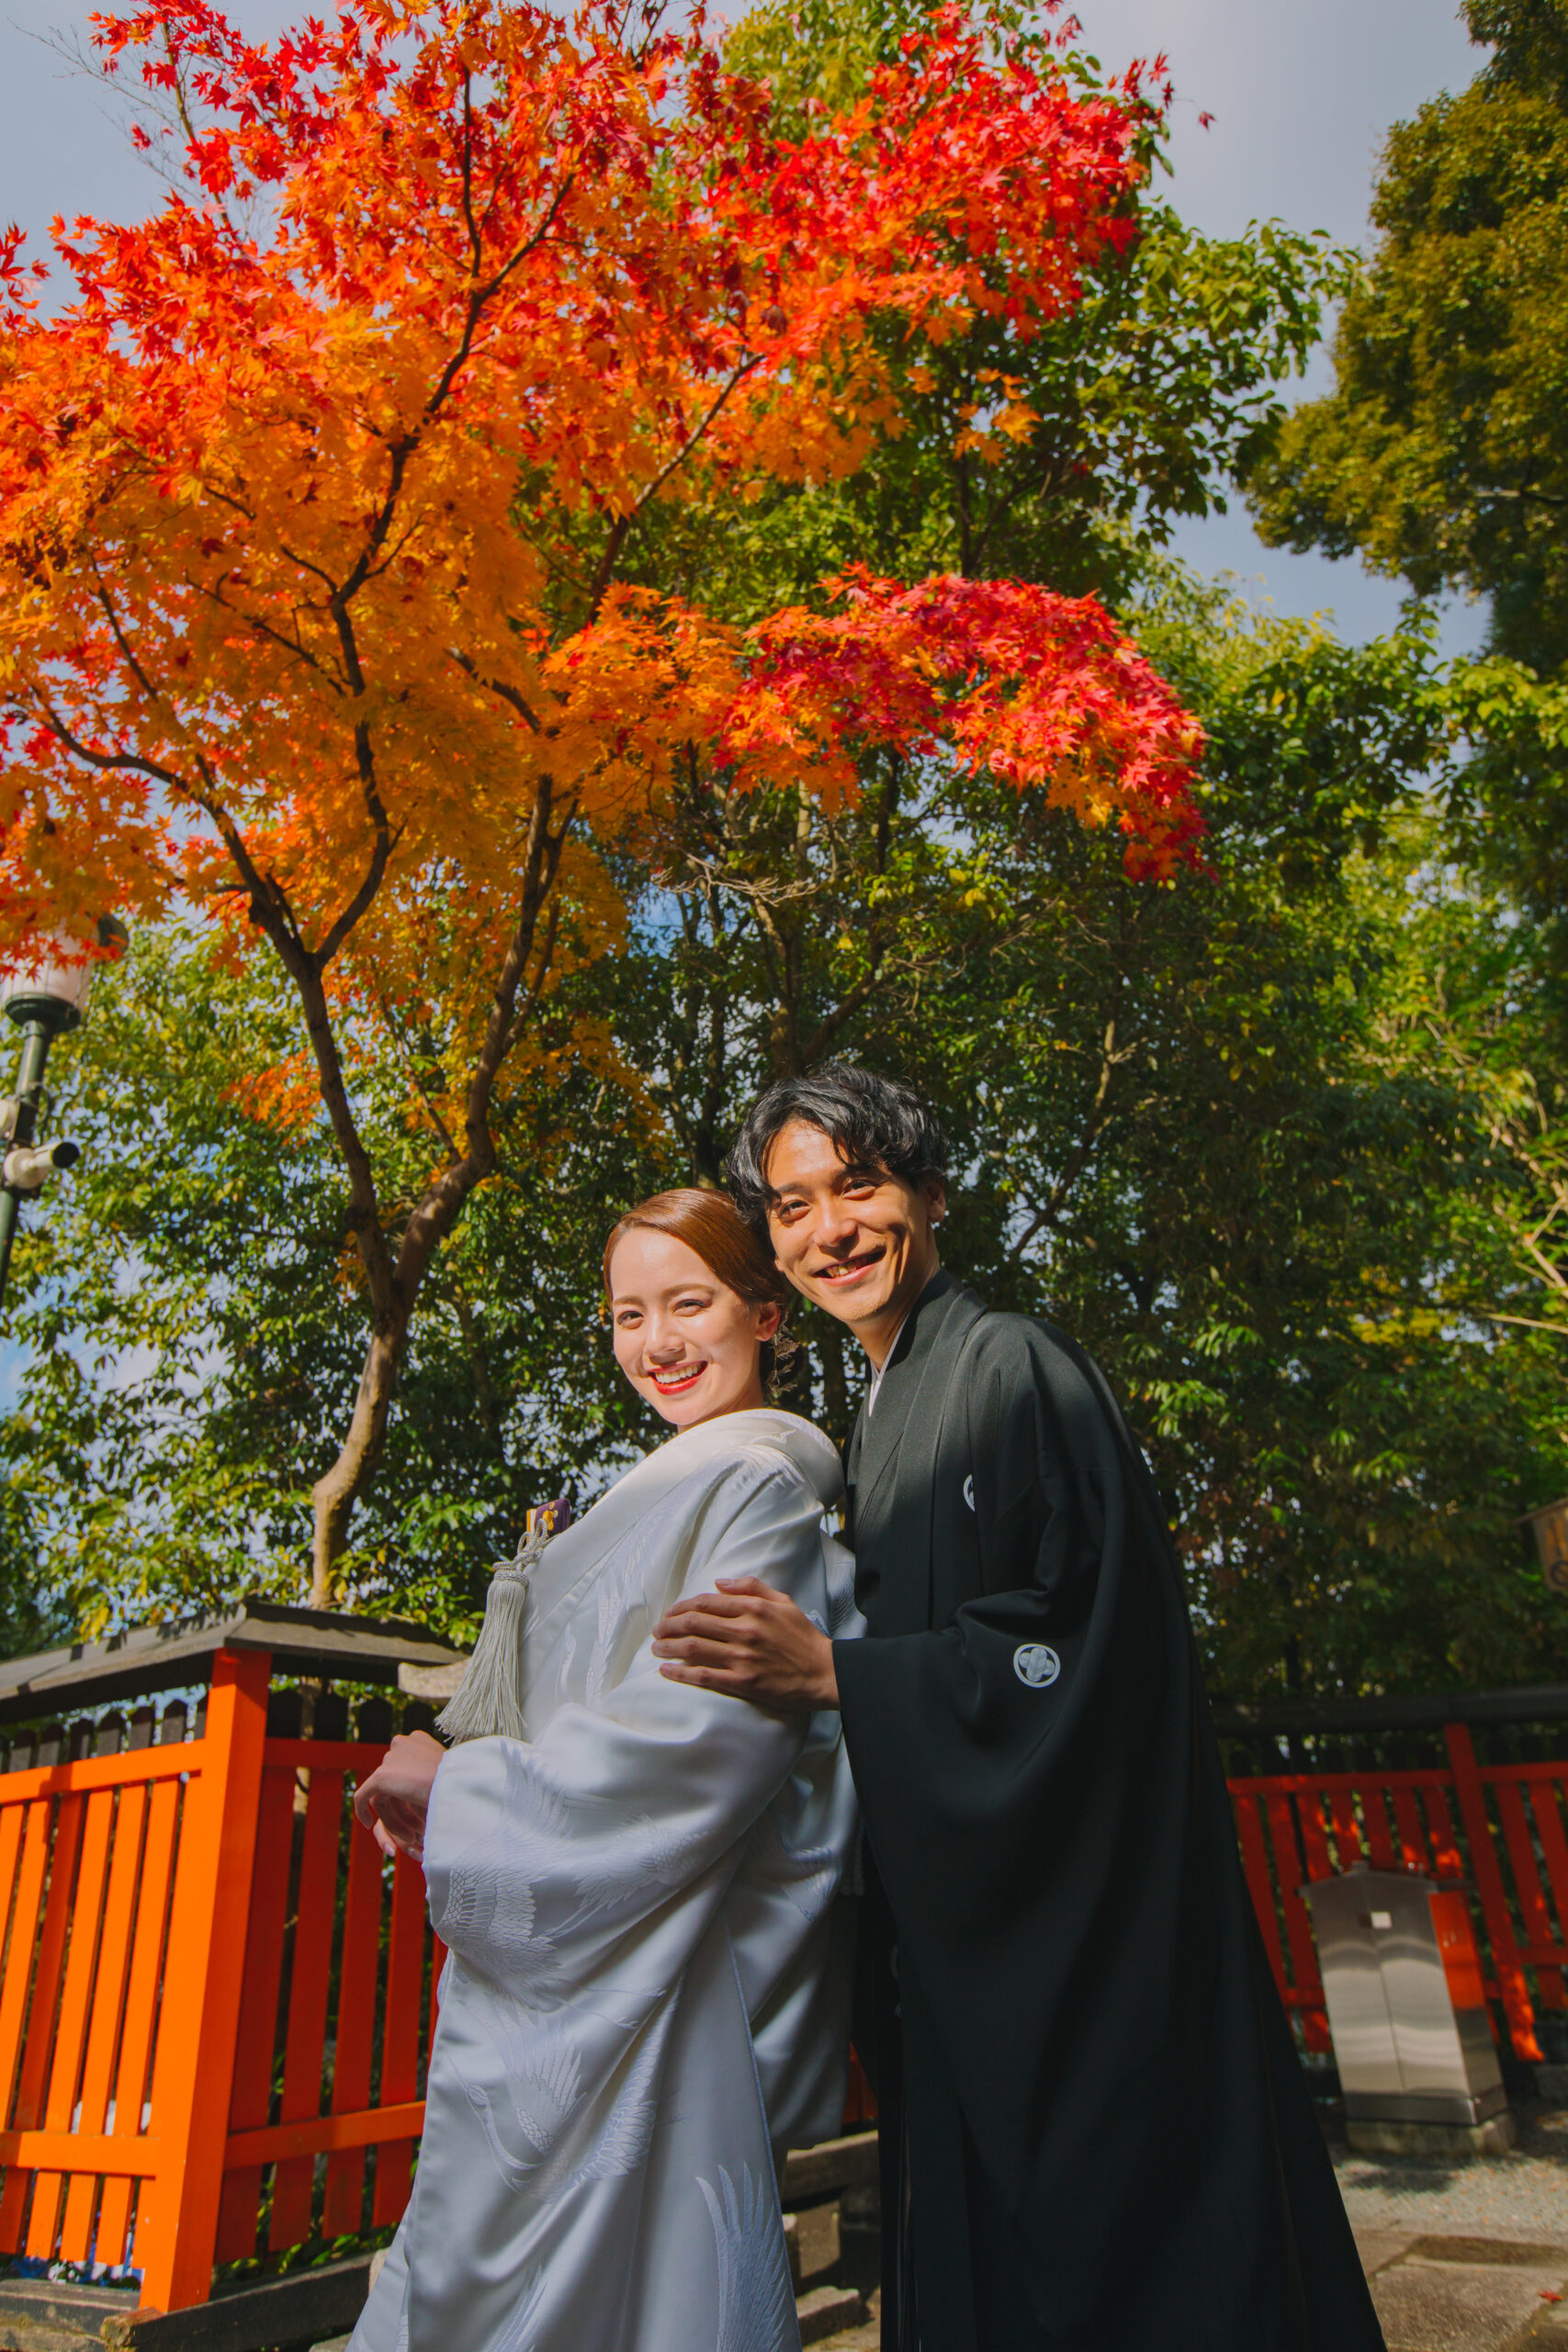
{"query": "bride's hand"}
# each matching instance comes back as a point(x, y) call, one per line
point(750, 1641)
point(394, 1799)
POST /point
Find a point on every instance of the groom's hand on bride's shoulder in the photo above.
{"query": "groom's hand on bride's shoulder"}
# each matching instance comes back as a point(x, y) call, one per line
point(750, 1643)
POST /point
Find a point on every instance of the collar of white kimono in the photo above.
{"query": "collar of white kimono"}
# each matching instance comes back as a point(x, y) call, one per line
point(709, 1448)
point(814, 1455)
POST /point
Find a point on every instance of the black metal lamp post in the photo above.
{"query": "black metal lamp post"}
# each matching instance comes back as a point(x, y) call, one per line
point(44, 999)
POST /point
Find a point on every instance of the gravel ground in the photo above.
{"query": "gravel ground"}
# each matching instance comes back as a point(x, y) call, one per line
point(1521, 2194)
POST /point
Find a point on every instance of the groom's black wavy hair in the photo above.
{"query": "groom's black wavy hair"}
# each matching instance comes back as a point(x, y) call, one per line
point(877, 1121)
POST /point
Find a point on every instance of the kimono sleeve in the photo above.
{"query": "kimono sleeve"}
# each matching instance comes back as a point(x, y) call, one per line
point(625, 1821)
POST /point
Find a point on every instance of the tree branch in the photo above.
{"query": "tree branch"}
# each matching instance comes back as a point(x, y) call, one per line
point(626, 523)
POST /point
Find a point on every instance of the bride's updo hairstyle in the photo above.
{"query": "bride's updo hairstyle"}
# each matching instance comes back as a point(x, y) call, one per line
point(711, 1226)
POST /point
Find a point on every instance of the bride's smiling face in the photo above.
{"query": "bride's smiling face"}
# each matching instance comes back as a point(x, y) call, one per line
point(684, 1339)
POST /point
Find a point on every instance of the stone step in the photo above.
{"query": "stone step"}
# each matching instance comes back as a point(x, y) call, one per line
point(821, 2313)
point(826, 2309)
point(814, 2241)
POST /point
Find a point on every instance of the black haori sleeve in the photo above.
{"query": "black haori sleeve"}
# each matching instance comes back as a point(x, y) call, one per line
point(1045, 1806)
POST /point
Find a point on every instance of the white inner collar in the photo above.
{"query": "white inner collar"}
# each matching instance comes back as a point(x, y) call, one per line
point(878, 1370)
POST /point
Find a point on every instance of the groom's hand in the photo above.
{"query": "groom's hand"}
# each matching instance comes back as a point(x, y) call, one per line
point(750, 1641)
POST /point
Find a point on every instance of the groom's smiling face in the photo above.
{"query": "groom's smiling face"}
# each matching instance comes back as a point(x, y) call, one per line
point(858, 1240)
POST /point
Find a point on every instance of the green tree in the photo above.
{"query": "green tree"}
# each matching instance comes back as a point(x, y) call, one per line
point(1209, 1127)
point(189, 1305)
point(1273, 1216)
point(1441, 454)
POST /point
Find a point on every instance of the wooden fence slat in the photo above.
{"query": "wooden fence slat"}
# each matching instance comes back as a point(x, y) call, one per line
point(71, 2034)
point(356, 1758)
point(1290, 1873)
point(309, 1985)
point(324, 2136)
point(1284, 1819)
point(1413, 1854)
point(1553, 1846)
point(12, 1818)
point(140, 2008)
point(1347, 1829)
point(1460, 1954)
point(1379, 1837)
point(1308, 1805)
point(1528, 1887)
point(1446, 1859)
point(1488, 1878)
point(251, 2101)
point(48, 2151)
point(24, 1937)
point(1255, 1864)
point(32, 1824)
point(109, 2001)
point(194, 2069)
point(1347, 1783)
point(399, 2037)
point(39, 2046)
point(131, 1767)
point(344, 2201)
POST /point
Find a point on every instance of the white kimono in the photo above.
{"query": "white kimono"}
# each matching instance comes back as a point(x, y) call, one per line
point(647, 1995)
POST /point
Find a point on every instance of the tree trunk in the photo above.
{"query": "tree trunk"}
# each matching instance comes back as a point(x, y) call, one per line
point(395, 1281)
point(334, 1494)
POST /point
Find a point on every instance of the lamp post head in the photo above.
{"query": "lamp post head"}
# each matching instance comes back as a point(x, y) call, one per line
point(52, 988)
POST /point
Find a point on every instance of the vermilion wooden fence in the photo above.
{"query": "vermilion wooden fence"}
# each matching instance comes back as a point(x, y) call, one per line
point(1499, 1828)
point(212, 1982)
point(217, 1997)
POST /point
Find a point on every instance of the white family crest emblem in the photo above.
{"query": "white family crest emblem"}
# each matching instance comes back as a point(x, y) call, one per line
point(1034, 1663)
point(969, 1490)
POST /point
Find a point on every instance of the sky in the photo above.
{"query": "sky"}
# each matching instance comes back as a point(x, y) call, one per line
point(1300, 92)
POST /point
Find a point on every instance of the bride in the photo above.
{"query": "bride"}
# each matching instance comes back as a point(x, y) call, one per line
point(646, 2000)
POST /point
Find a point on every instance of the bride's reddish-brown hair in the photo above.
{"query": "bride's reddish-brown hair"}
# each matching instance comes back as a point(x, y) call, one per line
point(710, 1224)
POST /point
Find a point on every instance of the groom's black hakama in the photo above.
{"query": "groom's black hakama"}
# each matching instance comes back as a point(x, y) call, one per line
point(1096, 2135)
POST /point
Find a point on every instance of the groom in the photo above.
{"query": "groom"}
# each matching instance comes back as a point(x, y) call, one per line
point(1095, 2133)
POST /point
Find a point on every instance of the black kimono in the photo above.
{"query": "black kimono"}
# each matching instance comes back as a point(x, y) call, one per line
point(1096, 2133)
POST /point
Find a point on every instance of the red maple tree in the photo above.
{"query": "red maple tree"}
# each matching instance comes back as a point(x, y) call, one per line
point(321, 503)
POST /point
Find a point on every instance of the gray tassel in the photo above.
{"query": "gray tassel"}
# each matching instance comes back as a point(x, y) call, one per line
point(488, 1703)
